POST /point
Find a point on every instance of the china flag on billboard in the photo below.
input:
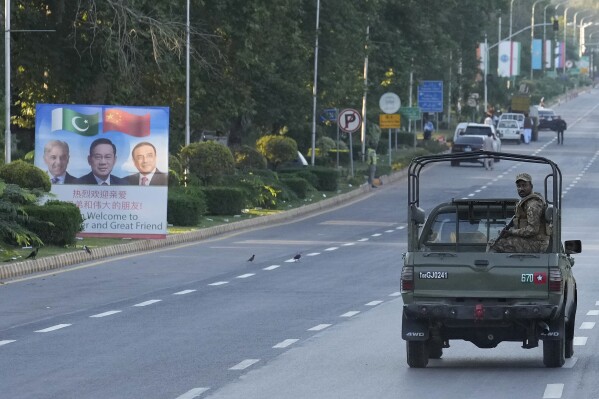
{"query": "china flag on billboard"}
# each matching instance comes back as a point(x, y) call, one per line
point(125, 122)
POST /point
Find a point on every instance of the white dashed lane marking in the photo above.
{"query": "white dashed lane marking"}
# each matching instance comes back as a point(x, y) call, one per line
point(593, 313)
point(246, 275)
point(319, 327)
point(147, 303)
point(332, 249)
point(273, 267)
point(350, 314)
point(363, 239)
point(389, 231)
point(109, 313)
point(244, 364)
point(313, 254)
point(374, 303)
point(395, 294)
point(553, 391)
point(348, 244)
point(587, 325)
point(184, 292)
point(285, 344)
point(6, 341)
point(218, 283)
point(376, 235)
point(580, 341)
point(193, 393)
point(53, 328)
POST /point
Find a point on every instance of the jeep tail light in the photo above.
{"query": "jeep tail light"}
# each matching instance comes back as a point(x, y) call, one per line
point(407, 278)
point(555, 279)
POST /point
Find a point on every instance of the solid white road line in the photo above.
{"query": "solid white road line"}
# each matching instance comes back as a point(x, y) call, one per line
point(193, 393)
point(373, 303)
point(53, 328)
point(319, 327)
point(184, 292)
point(219, 283)
point(350, 314)
point(273, 267)
point(580, 341)
point(587, 325)
point(109, 313)
point(285, 344)
point(246, 275)
point(244, 364)
point(146, 303)
point(553, 391)
point(6, 341)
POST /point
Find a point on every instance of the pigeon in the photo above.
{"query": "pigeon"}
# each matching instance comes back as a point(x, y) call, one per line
point(33, 254)
point(297, 257)
point(86, 248)
point(251, 259)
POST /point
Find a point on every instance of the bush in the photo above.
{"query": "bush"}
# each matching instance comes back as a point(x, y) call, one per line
point(55, 222)
point(208, 161)
point(185, 206)
point(248, 158)
point(277, 149)
point(224, 200)
point(25, 175)
point(327, 178)
point(298, 185)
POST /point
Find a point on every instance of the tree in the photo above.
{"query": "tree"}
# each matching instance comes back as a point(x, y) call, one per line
point(277, 149)
point(208, 161)
point(12, 216)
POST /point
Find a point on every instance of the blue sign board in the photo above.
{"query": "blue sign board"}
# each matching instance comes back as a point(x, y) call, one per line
point(430, 96)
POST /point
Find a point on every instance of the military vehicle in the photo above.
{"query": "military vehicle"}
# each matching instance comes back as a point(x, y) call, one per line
point(453, 288)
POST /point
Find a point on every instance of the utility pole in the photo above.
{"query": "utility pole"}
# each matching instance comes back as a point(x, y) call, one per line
point(363, 127)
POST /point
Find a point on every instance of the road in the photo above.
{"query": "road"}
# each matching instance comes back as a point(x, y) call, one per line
point(200, 321)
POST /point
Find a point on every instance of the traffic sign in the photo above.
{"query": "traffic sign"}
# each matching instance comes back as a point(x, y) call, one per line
point(410, 113)
point(349, 120)
point(389, 121)
point(329, 114)
point(389, 103)
point(430, 96)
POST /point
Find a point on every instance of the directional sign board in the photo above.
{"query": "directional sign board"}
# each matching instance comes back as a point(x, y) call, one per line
point(430, 96)
point(349, 120)
point(410, 113)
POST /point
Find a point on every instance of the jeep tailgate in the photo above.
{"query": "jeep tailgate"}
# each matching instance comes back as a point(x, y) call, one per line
point(485, 275)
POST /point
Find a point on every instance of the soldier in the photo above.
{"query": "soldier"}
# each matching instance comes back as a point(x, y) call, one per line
point(528, 231)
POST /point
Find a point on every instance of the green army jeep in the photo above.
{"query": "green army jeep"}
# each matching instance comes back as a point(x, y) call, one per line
point(453, 288)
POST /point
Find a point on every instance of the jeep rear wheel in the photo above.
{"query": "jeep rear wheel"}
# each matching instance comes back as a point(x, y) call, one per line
point(554, 350)
point(417, 353)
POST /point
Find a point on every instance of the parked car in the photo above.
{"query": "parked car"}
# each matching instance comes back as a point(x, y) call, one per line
point(467, 144)
point(482, 130)
point(509, 130)
point(512, 116)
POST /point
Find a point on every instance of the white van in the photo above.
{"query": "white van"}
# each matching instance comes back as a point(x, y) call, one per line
point(514, 117)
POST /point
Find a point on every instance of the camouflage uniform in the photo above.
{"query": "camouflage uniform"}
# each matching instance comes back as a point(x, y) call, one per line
point(530, 232)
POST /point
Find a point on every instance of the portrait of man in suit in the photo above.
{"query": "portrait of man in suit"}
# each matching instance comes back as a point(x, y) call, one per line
point(144, 159)
point(101, 158)
point(56, 157)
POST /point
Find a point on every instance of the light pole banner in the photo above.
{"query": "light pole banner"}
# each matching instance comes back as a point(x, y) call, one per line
point(481, 54)
point(516, 57)
point(505, 59)
point(537, 54)
point(548, 50)
point(110, 161)
point(559, 55)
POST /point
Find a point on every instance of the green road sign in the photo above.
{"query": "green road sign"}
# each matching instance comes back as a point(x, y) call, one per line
point(411, 113)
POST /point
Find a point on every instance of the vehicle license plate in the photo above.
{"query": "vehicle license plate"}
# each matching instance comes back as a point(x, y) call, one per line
point(467, 149)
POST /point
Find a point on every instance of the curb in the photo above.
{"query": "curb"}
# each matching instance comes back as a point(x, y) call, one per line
point(59, 261)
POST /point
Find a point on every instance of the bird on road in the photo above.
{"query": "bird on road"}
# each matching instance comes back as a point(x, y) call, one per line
point(33, 254)
point(251, 259)
point(297, 257)
point(86, 249)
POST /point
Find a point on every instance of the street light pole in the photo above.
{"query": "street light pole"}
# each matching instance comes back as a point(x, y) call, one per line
point(565, 30)
point(7, 134)
point(314, 88)
point(545, 38)
point(187, 129)
point(532, 35)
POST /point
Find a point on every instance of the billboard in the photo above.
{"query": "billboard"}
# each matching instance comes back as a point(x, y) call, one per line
point(110, 161)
